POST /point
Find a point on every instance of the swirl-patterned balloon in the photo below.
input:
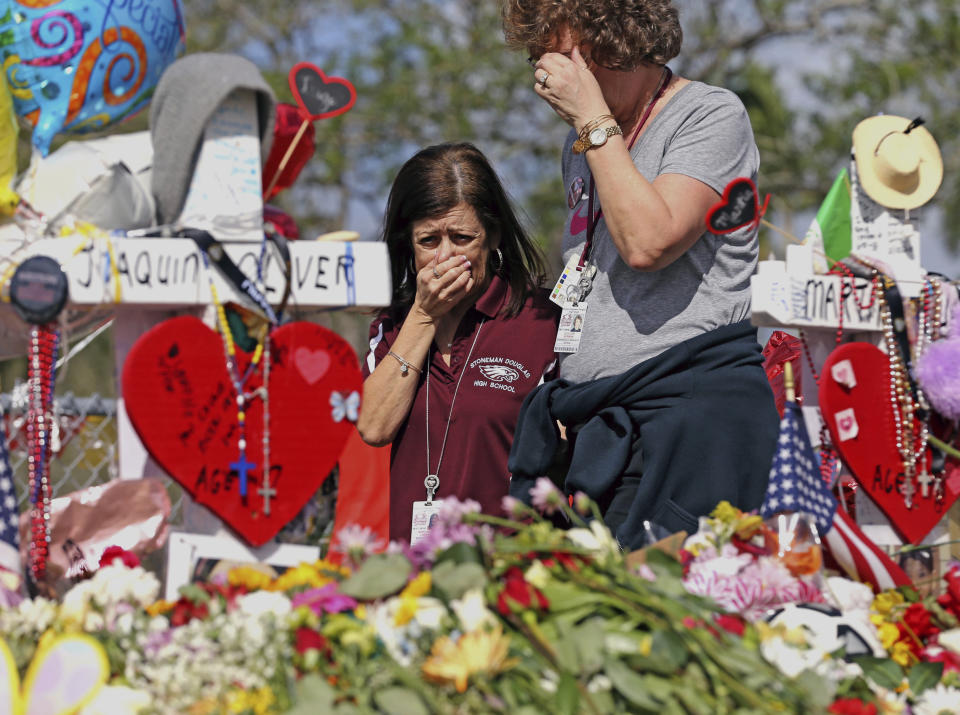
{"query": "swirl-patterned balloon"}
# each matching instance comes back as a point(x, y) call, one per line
point(77, 66)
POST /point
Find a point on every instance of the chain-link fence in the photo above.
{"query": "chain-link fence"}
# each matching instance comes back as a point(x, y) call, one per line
point(83, 443)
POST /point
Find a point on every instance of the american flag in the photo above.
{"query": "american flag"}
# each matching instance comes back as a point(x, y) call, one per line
point(796, 485)
point(9, 514)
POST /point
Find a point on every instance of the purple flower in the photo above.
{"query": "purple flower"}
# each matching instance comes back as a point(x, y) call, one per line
point(545, 496)
point(441, 537)
point(324, 600)
point(452, 510)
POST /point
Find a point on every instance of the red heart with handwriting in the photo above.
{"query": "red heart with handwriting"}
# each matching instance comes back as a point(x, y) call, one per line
point(182, 403)
point(738, 207)
point(855, 404)
point(319, 96)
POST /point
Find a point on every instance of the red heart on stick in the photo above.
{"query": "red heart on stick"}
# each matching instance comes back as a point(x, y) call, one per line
point(183, 406)
point(319, 96)
point(866, 410)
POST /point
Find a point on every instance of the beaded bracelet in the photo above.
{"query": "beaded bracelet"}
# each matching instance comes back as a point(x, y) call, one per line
point(404, 365)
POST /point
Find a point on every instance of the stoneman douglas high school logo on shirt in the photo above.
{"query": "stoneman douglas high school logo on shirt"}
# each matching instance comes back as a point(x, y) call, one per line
point(498, 373)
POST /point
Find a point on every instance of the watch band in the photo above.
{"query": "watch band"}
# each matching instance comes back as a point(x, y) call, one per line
point(583, 143)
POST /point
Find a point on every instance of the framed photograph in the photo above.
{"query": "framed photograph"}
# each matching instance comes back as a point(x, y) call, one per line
point(192, 557)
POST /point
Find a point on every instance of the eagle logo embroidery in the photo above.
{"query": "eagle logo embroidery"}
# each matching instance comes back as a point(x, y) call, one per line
point(499, 373)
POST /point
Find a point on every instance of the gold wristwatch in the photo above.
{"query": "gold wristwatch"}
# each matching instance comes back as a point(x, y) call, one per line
point(595, 137)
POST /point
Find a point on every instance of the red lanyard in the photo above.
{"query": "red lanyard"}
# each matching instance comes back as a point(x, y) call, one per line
point(595, 219)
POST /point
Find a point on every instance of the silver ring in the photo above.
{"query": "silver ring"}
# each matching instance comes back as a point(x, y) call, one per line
point(435, 273)
point(543, 80)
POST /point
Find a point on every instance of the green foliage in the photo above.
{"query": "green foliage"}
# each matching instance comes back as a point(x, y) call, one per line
point(381, 575)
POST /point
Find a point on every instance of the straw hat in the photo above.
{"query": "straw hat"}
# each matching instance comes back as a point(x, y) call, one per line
point(898, 161)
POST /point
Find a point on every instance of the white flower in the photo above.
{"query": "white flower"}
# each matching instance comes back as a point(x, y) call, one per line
point(117, 700)
point(597, 538)
point(537, 574)
point(430, 613)
point(850, 597)
point(472, 611)
point(950, 640)
point(935, 701)
point(599, 683)
point(259, 603)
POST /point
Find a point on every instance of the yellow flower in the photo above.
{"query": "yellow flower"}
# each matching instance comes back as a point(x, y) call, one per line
point(406, 610)
point(474, 653)
point(158, 608)
point(885, 602)
point(250, 577)
point(902, 654)
point(315, 575)
point(889, 635)
point(420, 586)
point(646, 645)
point(259, 702)
point(726, 512)
point(746, 526)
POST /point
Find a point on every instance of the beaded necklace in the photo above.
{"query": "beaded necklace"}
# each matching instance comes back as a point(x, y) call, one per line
point(911, 449)
point(41, 375)
point(242, 466)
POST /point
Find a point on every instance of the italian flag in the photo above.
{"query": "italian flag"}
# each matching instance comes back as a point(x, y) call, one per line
point(830, 231)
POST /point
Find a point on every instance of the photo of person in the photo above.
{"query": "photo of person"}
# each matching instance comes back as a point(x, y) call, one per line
point(577, 324)
point(920, 566)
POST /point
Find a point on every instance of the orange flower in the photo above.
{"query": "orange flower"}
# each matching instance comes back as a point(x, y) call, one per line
point(474, 653)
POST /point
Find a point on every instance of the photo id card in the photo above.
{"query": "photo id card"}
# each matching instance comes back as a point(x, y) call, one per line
point(569, 278)
point(424, 515)
point(570, 329)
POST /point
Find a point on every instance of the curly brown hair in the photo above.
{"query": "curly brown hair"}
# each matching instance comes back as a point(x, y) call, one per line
point(623, 34)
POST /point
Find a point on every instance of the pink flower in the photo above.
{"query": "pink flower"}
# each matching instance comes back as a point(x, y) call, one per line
point(452, 510)
point(513, 507)
point(581, 502)
point(357, 543)
point(545, 496)
point(324, 600)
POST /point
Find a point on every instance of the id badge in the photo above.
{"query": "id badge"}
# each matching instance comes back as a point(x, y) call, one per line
point(424, 515)
point(569, 278)
point(570, 330)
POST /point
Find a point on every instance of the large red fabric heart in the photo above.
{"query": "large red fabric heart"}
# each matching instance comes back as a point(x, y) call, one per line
point(855, 403)
point(183, 406)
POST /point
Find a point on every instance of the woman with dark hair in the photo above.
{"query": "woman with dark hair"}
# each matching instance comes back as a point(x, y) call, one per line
point(468, 334)
point(662, 392)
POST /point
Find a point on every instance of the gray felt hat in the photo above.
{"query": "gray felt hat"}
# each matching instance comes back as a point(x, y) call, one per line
point(189, 92)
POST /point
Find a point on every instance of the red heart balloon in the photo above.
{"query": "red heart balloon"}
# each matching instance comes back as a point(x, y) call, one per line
point(855, 404)
point(183, 406)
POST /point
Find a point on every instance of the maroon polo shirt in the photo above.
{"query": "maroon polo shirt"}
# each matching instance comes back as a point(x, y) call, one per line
point(510, 358)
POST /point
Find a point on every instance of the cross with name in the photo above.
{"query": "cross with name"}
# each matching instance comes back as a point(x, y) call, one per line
point(242, 467)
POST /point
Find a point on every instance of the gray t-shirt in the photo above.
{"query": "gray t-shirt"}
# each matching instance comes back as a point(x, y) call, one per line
point(702, 132)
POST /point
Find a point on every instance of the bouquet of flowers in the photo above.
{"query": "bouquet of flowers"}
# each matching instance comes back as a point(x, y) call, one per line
point(485, 614)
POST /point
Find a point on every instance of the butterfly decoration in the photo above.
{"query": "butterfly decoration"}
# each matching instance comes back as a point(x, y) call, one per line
point(738, 208)
point(66, 673)
point(349, 407)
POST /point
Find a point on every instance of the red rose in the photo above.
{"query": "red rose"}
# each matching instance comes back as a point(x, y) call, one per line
point(518, 593)
point(731, 624)
point(309, 639)
point(112, 553)
point(917, 618)
point(852, 706)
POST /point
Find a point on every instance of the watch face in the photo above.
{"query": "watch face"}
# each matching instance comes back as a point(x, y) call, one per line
point(598, 136)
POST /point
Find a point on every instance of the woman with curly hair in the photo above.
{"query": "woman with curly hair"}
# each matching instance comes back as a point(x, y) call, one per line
point(667, 408)
point(466, 337)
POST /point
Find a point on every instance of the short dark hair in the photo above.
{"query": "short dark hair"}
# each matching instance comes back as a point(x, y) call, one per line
point(431, 183)
point(623, 33)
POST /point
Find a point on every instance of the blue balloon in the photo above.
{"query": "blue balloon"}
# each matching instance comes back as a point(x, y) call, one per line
point(77, 66)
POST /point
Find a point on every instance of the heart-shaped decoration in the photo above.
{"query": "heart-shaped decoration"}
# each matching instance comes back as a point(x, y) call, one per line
point(317, 95)
point(181, 402)
point(855, 404)
point(739, 207)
